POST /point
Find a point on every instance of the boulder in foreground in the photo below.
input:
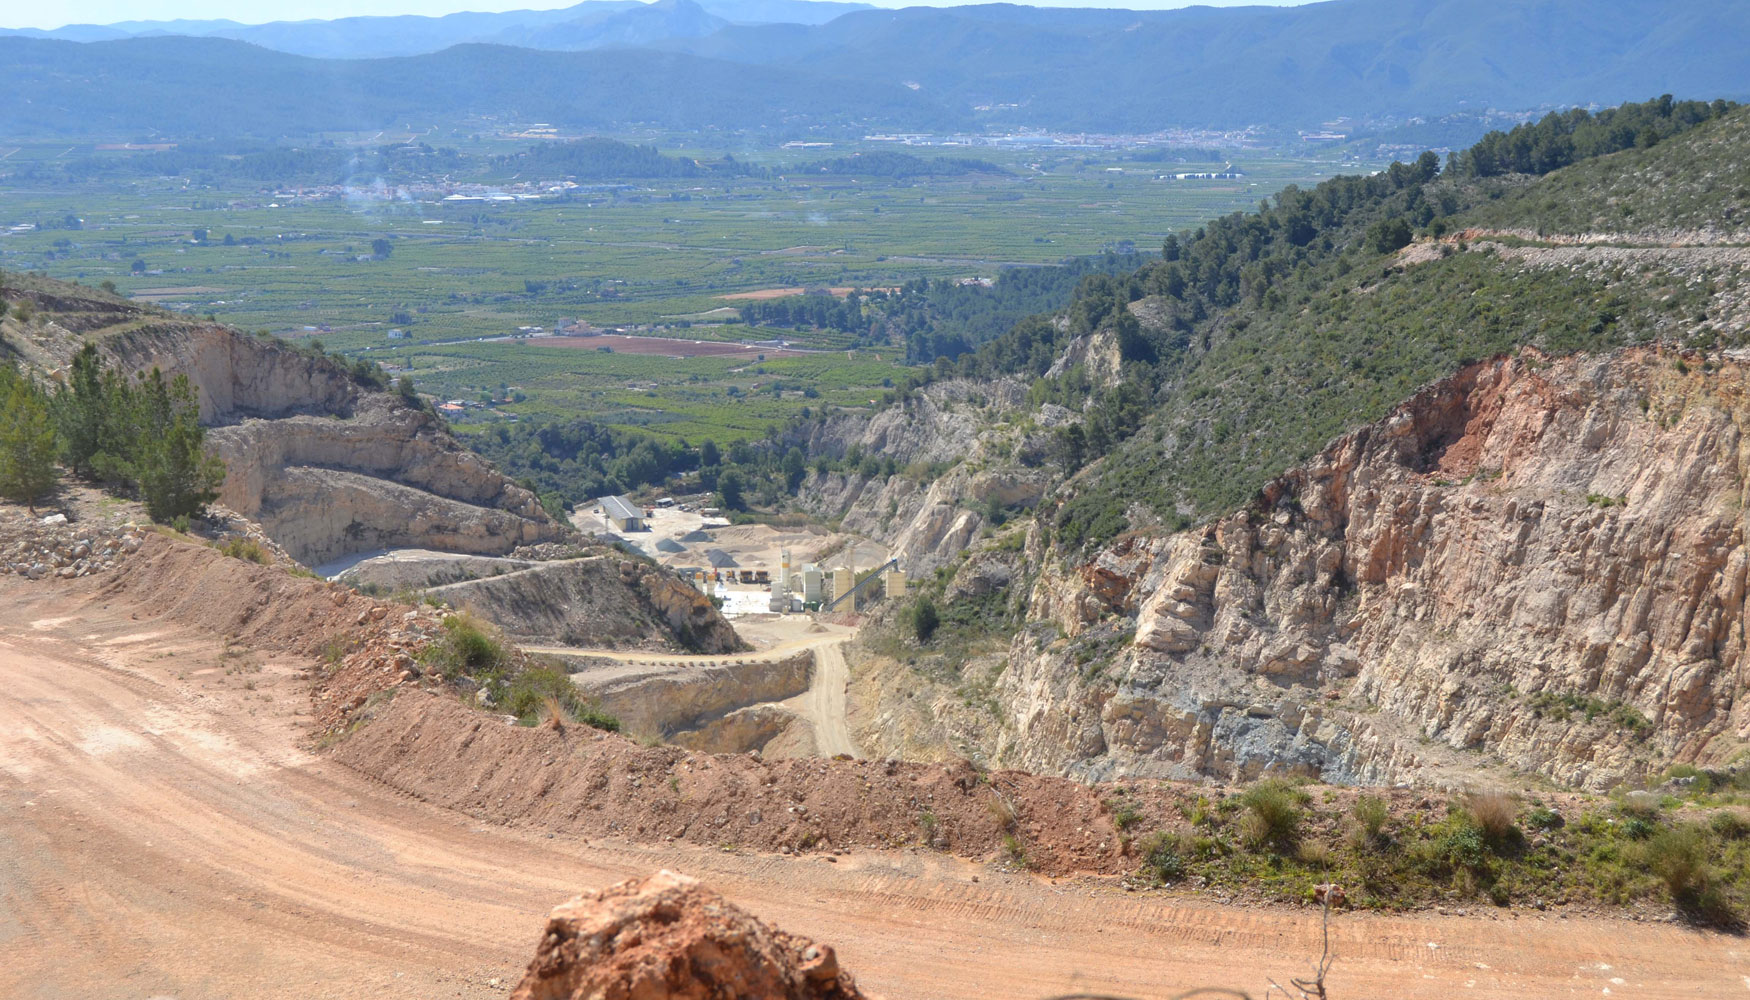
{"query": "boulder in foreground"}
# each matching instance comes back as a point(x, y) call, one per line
point(667, 937)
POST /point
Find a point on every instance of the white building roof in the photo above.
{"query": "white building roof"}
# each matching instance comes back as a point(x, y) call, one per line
point(619, 508)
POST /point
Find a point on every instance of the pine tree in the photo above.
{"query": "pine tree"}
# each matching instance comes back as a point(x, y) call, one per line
point(80, 411)
point(27, 442)
point(176, 475)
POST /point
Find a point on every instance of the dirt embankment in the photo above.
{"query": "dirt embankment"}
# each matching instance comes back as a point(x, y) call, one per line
point(576, 780)
point(422, 741)
point(597, 601)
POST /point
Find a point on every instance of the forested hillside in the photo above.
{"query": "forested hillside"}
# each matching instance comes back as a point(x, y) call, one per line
point(1259, 337)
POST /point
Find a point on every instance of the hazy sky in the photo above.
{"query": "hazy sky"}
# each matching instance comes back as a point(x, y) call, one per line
point(23, 14)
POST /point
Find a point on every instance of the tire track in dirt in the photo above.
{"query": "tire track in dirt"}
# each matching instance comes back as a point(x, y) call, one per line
point(164, 835)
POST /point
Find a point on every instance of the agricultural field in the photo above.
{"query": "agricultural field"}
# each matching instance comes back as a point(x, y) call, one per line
point(722, 398)
point(673, 257)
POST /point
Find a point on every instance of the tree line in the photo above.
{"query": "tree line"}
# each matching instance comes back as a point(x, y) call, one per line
point(943, 317)
point(141, 434)
point(206, 162)
point(1563, 138)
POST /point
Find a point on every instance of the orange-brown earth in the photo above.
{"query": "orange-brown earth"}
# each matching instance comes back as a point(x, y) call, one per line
point(168, 827)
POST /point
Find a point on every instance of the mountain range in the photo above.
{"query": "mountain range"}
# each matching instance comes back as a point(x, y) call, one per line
point(591, 24)
point(796, 64)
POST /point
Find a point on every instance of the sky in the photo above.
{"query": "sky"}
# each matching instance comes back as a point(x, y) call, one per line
point(34, 14)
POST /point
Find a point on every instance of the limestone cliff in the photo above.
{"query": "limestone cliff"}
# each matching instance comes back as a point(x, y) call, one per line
point(1541, 562)
point(928, 519)
point(328, 465)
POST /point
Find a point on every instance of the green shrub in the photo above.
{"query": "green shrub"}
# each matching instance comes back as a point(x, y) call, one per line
point(1458, 846)
point(1163, 856)
point(1371, 814)
point(1641, 805)
point(1272, 817)
point(537, 693)
point(1544, 818)
point(247, 549)
point(1639, 828)
point(1679, 857)
point(1124, 815)
point(924, 619)
point(468, 647)
point(1730, 825)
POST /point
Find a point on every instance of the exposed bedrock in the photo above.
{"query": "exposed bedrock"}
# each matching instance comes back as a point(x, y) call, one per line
point(1540, 561)
point(328, 466)
point(597, 602)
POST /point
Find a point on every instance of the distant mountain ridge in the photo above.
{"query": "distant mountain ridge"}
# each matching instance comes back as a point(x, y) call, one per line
point(590, 24)
point(217, 87)
point(918, 68)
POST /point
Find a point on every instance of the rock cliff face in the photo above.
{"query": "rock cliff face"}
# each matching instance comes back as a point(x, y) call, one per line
point(329, 467)
point(1539, 562)
point(926, 524)
point(939, 423)
point(597, 602)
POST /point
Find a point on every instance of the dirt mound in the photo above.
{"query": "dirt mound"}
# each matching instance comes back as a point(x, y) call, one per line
point(577, 780)
point(261, 606)
point(368, 645)
point(667, 937)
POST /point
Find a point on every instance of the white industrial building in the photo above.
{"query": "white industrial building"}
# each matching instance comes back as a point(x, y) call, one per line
point(622, 514)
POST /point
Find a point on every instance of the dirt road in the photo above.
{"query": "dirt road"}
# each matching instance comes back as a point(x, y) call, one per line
point(163, 835)
point(823, 704)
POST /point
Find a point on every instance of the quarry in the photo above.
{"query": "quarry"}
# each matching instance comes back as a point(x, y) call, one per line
point(1090, 661)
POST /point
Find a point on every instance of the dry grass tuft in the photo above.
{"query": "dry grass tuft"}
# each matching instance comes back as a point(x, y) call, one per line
point(1494, 813)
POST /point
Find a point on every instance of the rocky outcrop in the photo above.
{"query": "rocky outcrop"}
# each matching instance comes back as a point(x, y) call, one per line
point(328, 466)
point(238, 376)
point(597, 602)
point(320, 514)
point(667, 937)
point(925, 526)
point(942, 422)
point(1539, 561)
point(40, 547)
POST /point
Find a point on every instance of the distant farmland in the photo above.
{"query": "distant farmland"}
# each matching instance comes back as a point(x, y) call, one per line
point(672, 347)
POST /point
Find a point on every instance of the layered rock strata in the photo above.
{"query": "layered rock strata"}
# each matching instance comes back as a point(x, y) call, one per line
point(1537, 562)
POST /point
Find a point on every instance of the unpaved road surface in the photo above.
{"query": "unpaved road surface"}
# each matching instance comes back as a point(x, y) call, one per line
point(823, 704)
point(163, 834)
